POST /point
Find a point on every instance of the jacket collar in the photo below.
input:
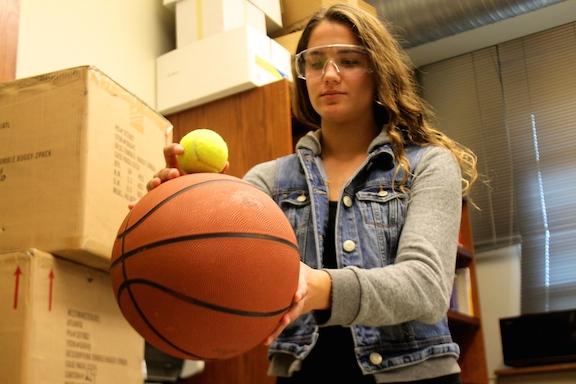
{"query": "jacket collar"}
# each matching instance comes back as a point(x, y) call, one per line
point(311, 141)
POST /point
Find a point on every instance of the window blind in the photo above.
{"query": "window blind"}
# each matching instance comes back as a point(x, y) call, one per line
point(466, 95)
point(515, 105)
point(539, 88)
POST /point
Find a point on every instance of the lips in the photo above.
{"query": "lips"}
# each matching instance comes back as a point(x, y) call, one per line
point(331, 93)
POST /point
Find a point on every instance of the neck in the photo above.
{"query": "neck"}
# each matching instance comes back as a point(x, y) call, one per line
point(345, 141)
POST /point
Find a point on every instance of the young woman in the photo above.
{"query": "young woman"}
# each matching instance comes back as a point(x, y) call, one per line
point(374, 195)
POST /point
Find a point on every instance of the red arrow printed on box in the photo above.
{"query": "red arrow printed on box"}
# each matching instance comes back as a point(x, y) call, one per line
point(51, 278)
point(17, 274)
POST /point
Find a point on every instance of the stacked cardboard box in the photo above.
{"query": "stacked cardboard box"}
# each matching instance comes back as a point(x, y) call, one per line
point(296, 13)
point(223, 48)
point(75, 149)
point(59, 323)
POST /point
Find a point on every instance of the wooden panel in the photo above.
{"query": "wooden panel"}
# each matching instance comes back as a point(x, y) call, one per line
point(467, 331)
point(256, 124)
point(257, 127)
point(549, 368)
point(9, 18)
point(249, 368)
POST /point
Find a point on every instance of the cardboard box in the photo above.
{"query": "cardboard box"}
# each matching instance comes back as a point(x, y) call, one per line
point(295, 13)
point(75, 149)
point(273, 11)
point(290, 41)
point(198, 19)
point(60, 323)
point(216, 67)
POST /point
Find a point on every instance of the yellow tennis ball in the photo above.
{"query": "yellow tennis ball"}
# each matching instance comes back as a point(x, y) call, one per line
point(204, 151)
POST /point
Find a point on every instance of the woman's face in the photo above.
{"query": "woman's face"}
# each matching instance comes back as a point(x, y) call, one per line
point(344, 87)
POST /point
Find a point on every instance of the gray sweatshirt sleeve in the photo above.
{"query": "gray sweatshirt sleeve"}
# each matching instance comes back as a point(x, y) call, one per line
point(262, 176)
point(418, 286)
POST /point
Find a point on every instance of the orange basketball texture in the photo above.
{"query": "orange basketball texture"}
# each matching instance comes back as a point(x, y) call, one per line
point(204, 266)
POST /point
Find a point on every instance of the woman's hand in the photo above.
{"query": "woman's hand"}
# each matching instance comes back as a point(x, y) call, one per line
point(172, 169)
point(313, 292)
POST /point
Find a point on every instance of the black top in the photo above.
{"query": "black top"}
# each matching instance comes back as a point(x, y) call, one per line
point(332, 358)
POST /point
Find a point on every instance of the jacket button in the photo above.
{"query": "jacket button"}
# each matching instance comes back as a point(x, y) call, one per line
point(302, 198)
point(382, 193)
point(349, 245)
point(347, 200)
point(375, 358)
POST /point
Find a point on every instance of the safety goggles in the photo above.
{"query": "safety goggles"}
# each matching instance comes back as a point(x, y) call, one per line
point(347, 59)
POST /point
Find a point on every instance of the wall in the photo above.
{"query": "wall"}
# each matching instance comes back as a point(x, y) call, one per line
point(121, 38)
point(498, 275)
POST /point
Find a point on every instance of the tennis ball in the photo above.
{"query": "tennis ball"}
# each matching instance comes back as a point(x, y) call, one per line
point(204, 151)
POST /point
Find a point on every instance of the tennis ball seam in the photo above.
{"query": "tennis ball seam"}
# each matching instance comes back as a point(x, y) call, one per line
point(203, 155)
point(202, 161)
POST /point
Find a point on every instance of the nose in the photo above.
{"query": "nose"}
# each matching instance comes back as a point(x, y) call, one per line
point(330, 70)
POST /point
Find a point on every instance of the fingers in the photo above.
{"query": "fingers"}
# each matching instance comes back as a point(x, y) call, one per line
point(296, 310)
point(293, 313)
point(162, 176)
point(284, 321)
point(153, 183)
point(172, 170)
point(171, 153)
point(226, 166)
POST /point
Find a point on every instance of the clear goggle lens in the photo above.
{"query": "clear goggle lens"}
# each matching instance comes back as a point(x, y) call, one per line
point(348, 60)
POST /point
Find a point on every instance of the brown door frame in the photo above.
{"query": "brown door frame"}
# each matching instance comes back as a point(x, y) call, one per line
point(9, 23)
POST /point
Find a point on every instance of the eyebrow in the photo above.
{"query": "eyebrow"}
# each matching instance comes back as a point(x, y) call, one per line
point(350, 49)
point(318, 51)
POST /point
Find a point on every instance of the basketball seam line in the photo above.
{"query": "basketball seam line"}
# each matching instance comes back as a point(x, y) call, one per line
point(172, 196)
point(190, 300)
point(160, 243)
point(141, 313)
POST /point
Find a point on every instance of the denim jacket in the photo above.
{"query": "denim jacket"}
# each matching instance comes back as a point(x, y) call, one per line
point(370, 218)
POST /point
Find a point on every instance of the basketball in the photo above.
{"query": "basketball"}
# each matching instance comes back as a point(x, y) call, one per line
point(204, 266)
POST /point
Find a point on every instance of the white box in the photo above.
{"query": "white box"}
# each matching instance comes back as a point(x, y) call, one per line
point(212, 68)
point(282, 59)
point(198, 19)
point(60, 323)
point(75, 149)
point(273, 12)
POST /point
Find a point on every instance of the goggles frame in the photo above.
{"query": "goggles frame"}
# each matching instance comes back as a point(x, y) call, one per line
point(299, 58)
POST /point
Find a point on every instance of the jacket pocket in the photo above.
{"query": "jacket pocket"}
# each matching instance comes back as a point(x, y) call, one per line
point(297, 208)
point(383, 213)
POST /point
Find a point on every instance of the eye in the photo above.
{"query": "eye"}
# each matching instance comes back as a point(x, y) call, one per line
point(349, 62)
point(316, 62)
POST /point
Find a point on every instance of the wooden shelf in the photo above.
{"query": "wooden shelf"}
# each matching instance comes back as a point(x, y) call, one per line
point(456, 318)
point(548, 368)
point(467, 330)
point(464, 257)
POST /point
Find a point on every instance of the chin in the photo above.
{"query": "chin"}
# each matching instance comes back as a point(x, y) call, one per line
point(336, 114)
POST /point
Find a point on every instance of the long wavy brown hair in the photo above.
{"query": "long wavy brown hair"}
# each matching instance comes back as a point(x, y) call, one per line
point(407, 117)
